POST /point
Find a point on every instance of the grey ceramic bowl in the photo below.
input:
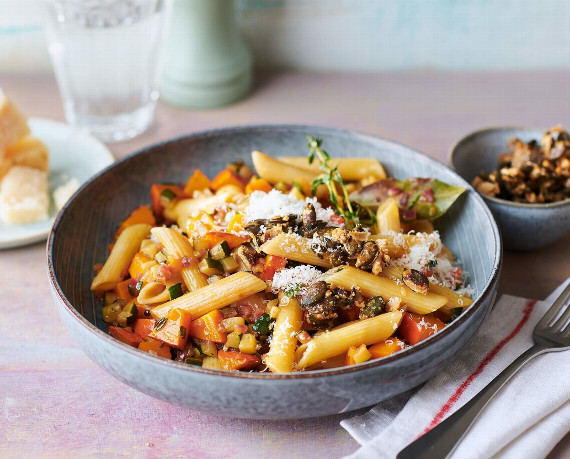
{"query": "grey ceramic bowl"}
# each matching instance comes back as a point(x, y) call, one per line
point(523, 226)
point(85, 226)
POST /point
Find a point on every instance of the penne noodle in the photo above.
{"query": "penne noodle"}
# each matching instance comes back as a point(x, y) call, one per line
point(179, 246)
point(275, 171)
point(152, 293)
point(351, 169)
point(214, 296)
point(454, 300)
point(338, 340)
point(293, 247)
point(281, 353)
point(119, 259)
point(370, 285)
point(388, 216)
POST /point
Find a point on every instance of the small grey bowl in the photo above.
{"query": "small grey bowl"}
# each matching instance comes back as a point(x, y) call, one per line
point(523, 226)
point(84, 227)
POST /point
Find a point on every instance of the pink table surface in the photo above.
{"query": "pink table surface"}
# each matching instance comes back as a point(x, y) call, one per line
point(56, 403)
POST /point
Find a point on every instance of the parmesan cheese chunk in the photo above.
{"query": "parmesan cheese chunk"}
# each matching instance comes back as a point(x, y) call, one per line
point(62, 193)
point(24, 196)
point(13, 124)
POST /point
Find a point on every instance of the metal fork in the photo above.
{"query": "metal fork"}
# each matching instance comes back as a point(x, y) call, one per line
point(552, 333)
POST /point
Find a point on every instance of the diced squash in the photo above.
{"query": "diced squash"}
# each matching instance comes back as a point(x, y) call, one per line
point(258, 184)
point(196, 182)
point(356, 355)
point(143, 327)
point(233, 240)
point(209, 327)
point(386, 347)
point(125, 335)
point(140, 264)
point(416, 327)
point(236, 223)
point(163, 195)
point(141, 214)
point(174, 330)
point(234, 360)
point(124, 289)
point(227, 177)
point(156, 348)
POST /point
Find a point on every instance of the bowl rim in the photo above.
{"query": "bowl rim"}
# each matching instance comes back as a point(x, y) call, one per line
point(505, 202)
point(257, 376)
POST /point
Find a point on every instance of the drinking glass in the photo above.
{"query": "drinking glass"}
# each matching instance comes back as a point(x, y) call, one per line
point(106, 58)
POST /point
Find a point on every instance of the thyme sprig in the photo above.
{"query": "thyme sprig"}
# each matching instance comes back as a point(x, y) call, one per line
point(332, 179)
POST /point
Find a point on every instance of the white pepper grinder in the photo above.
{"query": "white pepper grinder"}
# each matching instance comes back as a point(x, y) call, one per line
point(206, 62)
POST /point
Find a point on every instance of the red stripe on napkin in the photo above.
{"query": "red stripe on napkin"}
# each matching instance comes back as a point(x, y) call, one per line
point(490, 356)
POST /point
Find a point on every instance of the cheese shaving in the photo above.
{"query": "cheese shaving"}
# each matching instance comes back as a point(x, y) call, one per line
point(301, 276)
point(263, 206)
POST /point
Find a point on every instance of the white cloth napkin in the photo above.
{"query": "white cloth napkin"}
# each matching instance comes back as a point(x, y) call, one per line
point(526, 419)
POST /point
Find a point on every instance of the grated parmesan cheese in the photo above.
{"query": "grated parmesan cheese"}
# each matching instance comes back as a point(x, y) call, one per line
point(428, 248)
point(302, 275)
point(263, 206)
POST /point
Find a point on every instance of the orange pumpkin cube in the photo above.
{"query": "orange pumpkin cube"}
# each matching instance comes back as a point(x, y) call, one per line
point(197, 182)
point(173, 330)
point(209, 327)
point(156, 348)
point(234, 360)
point(386, 347)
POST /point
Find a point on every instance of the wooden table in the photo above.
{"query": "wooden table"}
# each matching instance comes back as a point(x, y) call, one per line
point(56, 401)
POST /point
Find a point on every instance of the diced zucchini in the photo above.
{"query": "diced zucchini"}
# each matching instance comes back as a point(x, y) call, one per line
point(208, 348)
point(263, 324)
point(109, 297)
point(161, 257)
point(229, 264)
point(211, 362)
point(128, 315)
point(220, 251)
point(201, 244)
point(210, 267)
point(193, 361)
point(112, 311)
point(175, 291)
point(233, 340)
point(231, 322)
point(248, 344)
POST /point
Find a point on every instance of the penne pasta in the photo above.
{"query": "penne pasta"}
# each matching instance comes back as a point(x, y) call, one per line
point(275, 171)
point(179, 246)
point(233, 270)
point(350, 169)
point(293, 247)
point(119, 259)
point(281, 353)
point(388, 216)
point(214, 296)
point(338, 340)
point(371, 285)
point(454, 300)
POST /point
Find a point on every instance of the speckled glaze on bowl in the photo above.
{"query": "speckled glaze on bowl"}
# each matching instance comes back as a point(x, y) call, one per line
point(86, 224)
point(523, 226)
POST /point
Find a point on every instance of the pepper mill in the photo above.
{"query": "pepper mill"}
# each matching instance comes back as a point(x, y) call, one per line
point(206, 62)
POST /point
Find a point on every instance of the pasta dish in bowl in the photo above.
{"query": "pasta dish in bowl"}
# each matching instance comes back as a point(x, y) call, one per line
point(322, 286)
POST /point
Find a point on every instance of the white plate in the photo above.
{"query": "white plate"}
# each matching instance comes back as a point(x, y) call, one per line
point(72, 154)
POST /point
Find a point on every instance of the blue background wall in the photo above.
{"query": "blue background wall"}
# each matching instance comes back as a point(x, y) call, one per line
point(363, 35)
